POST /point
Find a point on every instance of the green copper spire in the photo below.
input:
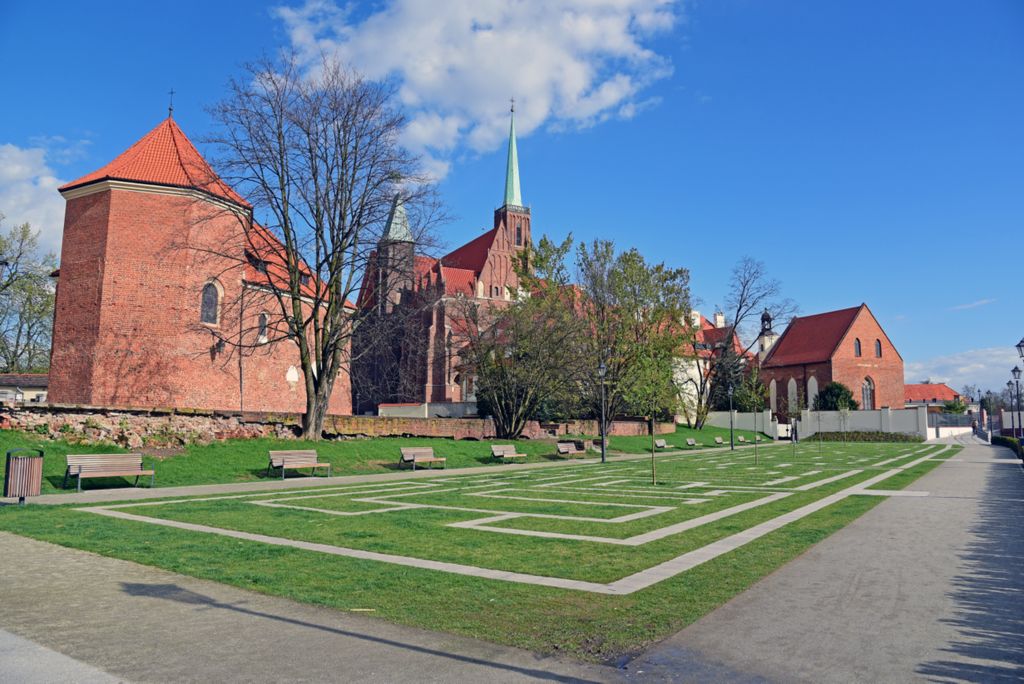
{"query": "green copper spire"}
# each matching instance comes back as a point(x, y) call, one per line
point(512, 194)
point(398, 223)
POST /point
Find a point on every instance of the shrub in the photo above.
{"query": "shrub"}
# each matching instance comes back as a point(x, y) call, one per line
point(866, 437)
point(833, 397)
point(1011, 443)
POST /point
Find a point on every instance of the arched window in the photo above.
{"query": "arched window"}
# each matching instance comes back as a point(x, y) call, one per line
point(856, 347)
point(261, 328)
point(878, 348)
point(812, 391)
point(209, 311)
point(867, 395)
point(772, 394)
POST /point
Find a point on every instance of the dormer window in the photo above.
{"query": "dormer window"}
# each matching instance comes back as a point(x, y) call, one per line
point(259, 264)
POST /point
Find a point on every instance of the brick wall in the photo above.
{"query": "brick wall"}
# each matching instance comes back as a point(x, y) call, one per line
point(886, 371)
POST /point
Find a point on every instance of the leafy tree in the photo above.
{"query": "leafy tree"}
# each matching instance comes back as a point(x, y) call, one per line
point(631, 310)
point(835, 396)
point(751, 394)
point(729, 371)
point(648, 390)
point(524, 356)
point(26, 301)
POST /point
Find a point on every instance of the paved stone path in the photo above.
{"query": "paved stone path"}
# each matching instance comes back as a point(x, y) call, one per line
point(919, 588)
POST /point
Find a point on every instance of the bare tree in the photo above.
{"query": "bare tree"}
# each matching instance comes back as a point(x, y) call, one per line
point(316, 154)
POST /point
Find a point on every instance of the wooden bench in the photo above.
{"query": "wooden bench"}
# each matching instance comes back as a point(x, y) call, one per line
point(295, 460)
point(691, 442)
point(419, 456)
point(570, 449)
point(718, 440)
point(106, 465)
point(505, 452)
point(741, 438)
point(660, 444)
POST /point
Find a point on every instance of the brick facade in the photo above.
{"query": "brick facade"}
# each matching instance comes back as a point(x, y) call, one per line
point(813, 353)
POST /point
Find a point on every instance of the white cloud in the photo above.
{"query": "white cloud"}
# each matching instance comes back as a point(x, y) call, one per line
point(28, 193)
point(568, 63)
point(972, 305)
point(988, 368)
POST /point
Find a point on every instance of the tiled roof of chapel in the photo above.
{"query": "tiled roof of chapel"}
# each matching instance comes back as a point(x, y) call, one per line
point(811, 339)
point(164, 156)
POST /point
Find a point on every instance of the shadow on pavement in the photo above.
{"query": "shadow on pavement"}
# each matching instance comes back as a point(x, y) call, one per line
point(989, 591)
point(172, 592)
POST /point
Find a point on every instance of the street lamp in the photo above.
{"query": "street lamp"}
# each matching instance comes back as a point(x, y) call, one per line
point(1013, 420)
point(602, 370)
point(1016, 381)
point(1020, 348)
point(732, 442)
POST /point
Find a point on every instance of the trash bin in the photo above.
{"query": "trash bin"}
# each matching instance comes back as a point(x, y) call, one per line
point(24, 474)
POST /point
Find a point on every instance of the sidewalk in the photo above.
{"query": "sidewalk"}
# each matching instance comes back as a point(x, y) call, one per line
point(917, 588)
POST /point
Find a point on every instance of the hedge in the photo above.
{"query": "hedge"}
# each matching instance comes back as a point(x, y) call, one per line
point(1011, 443)
point(865, 436)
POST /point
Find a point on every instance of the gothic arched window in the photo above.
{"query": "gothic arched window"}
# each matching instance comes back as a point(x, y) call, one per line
point(867, 395)
point(519, 233)
point(878, 348)
point(209, 311)
point(856, 347)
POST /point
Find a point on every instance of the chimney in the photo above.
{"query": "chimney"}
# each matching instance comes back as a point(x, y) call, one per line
point(719, 319)
point(695, 319)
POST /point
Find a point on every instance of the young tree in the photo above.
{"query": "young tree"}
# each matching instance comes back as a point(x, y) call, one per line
point(648, 390)
point(751, 393)
point(26, 301)
point(316, 154)
point(629, 308)
point(524, 355)
point(957, 406)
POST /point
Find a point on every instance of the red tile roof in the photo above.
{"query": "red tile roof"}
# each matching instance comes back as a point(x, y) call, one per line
point(811, 339)
point(164, 156)
point(929, 392)
point(473, 254)
point(458, 280)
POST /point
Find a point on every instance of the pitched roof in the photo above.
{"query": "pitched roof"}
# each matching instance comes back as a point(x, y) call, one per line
point(926, 392)
point(164, 156)
point(39, 380)
point(458, 280)
point(811, 339)
point(473, 254)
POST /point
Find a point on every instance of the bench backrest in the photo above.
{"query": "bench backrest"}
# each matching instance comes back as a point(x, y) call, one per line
point(718, 440)
point(741, 438)
point(566, 447)
point(503, 450)
point(412, 453)
point(660, 443)
point(690, 441)
point(295, 458)
point(97, 463)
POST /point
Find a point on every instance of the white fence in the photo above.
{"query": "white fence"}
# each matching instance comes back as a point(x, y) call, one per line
point(912, 421)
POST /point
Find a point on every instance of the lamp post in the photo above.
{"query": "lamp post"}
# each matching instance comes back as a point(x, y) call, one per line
point(602, 370)
point(732, 442)
point(988, 410)
point(1013, 420)
point(1016, 380)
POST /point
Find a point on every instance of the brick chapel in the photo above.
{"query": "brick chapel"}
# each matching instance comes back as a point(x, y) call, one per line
point(847, 346)
point(155, 275)
point(425, 295)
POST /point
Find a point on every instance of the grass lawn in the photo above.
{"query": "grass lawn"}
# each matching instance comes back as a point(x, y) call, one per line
point(705, 437)
point(240, 460)
point(585, 522)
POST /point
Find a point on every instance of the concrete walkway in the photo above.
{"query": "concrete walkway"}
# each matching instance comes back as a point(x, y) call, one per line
point(919, 588)
point(142, 624)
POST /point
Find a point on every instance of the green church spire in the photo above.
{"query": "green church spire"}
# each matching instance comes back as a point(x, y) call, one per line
point(397, 229)
point(513, 196)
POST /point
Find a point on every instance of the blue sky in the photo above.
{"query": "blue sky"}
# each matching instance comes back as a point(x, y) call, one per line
point(865, 151)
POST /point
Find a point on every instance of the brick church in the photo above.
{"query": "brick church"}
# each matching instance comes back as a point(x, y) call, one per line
point(420, 297)
point(156, 274)
point(847, 346)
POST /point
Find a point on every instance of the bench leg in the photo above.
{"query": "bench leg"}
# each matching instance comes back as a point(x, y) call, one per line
point(136, 481)
point(282, 471)
point(152, 480)
point(64, 485)
point(79, 481)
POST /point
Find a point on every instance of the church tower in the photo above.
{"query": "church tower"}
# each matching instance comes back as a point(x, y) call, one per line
point(395, 257)
point(512, 217)
point(766, 340)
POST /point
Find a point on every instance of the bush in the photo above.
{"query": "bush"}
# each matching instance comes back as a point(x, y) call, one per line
point(1011, 443)
point(833, 397)
point(866, 437)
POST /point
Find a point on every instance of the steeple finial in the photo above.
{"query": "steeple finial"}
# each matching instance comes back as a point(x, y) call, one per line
point(513, 196)
point(170, 104)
